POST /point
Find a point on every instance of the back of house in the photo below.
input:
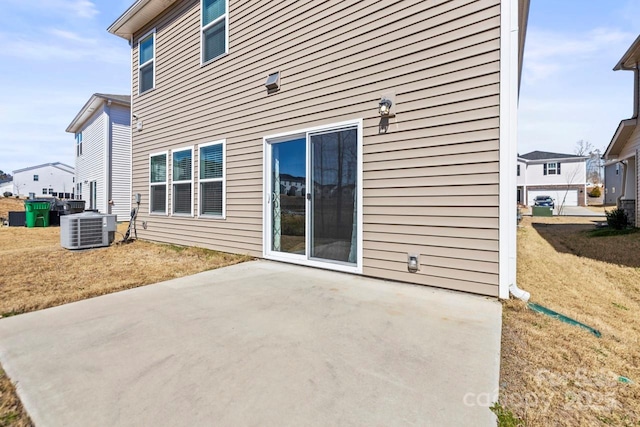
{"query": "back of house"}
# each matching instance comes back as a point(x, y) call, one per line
point(370, 137)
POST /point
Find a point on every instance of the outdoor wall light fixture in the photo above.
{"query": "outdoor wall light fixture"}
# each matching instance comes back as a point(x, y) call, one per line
point(384, 107)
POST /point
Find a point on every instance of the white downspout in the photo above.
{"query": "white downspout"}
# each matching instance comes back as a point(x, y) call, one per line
point(519, 293)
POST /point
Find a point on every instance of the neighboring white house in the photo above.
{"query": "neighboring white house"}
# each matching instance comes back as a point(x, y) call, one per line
point(53, 179)
point(561, 176)
point(6, 186)
point(102, 131)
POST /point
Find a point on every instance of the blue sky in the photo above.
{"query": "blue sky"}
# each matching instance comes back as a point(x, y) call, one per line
point(55, 55)
point(569, 91)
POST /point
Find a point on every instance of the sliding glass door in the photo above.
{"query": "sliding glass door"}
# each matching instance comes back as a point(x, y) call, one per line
point(312, 202)
point(334, 170)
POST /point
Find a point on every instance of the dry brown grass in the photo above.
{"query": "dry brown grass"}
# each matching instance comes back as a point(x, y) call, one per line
point(10, 204)
point(557, 374)
point(37, 273)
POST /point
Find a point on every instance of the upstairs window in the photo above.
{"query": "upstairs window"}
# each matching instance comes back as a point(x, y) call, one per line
point(183, 182)
point(147, 62)
point(518, 170)
point(36, 178)
point(212, 182)
point(215, 29)
point(158, 183)
point(551, 169)
point(44, 191)
point(78, 144)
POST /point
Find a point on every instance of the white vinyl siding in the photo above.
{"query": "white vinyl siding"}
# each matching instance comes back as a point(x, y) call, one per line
point(214, 31)
point(158, 176)
point(120, 161)
point(212, 166)
point(90, 166)
point(147, 61)
point(50, 178)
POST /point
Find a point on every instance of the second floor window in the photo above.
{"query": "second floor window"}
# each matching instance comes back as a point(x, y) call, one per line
point(551, 169)
point(214, 30)
point(78, 144)
point(147, 62)
point(518, 170)
point(36, 178)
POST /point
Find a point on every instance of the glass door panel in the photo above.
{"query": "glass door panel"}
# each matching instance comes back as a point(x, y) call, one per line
point(334, 171)
point(288, 196)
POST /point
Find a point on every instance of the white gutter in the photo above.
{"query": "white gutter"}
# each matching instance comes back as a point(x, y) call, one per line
point(509, 64)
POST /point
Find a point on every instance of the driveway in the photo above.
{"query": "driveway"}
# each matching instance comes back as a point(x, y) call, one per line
point(259, 343)
point(580, 211)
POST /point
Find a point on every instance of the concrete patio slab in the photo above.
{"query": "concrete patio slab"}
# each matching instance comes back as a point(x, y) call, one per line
point(259, 343)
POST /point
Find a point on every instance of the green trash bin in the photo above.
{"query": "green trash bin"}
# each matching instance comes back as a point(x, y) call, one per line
point(37, 213)
point(542, 211)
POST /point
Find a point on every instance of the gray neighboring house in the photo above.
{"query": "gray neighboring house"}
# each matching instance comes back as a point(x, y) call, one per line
point(102, 132)
point(398, 119)
point(624, 148)
point(612, 182)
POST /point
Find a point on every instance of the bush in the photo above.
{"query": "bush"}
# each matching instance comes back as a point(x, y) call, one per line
point(7, 194)
point(617, 219)
point(596, 192)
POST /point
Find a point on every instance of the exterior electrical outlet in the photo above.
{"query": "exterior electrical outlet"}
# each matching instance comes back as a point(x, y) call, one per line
point(413, 263)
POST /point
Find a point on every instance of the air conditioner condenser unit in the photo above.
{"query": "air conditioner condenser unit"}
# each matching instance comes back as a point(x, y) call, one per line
point(87, 230)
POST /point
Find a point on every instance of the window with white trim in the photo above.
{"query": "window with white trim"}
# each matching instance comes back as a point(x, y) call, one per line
point(215, 29)
point(212, 179)
point(158, 183)
point(36, 178)
point(147, 62)
point(182, 178)
point(44, 191)
point(552, 169)
point(78, 144)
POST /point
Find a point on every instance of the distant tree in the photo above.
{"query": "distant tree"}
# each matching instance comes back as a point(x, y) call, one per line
point(583, 148)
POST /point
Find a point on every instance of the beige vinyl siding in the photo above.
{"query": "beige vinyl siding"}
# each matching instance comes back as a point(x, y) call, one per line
point(430, 183)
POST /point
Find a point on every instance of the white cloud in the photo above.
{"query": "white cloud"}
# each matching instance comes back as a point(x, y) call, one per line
point(64, 46)
point(550, 52)
point(82, 8)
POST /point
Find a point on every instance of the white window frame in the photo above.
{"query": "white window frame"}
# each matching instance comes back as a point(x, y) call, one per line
point(36, 178)
point(78, 144)
point(166, 183)
point(151, 61)
point(554, 169)
point(203, 28)
point(222, 142)
point(178, 150)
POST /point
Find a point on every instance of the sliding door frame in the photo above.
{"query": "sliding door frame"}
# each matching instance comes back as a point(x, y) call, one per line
point(267, 225)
